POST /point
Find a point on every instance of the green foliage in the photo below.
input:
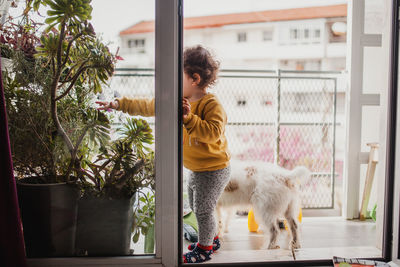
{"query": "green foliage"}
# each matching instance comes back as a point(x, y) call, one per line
point(36, 147)
point(71, 12)
point(372, 213)
point(119, 171)
point(54, 128)
point(48, 47)
point(33, 5)
point(144, 215)
point(138, 133)
point(56, 133)
point(31, 131)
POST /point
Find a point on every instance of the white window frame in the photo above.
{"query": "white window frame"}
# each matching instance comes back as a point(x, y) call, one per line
point(314, 36)
point(241, 34)
point(167, 86)
point(167, 151)
point(308, 34)
point(296, 34)
point(268, 33)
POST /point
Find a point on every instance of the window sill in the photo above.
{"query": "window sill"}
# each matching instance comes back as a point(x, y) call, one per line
point(96, 261)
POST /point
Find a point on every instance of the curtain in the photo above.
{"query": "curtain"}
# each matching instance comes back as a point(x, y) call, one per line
point(12, 250)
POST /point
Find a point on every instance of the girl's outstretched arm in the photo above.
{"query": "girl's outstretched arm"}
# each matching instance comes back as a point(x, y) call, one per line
point(135, 106)
point(106, 105)
point(132, 106)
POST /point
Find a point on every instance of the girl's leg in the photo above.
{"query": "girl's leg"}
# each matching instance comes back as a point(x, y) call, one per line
point(190, 191)
point(207, 188)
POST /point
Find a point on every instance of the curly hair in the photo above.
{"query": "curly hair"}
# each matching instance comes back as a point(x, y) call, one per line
point(199, 60)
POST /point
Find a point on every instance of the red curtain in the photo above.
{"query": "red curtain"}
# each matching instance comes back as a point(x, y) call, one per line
point(12, 249)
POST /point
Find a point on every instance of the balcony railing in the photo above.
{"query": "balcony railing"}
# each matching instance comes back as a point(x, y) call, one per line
point(285, 117)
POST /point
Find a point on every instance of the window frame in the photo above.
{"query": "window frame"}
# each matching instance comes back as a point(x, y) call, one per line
point(294, 34)
point(241, 37)
point(306, 30)
point(169, 148)
point(268, 33)
point(136, 41)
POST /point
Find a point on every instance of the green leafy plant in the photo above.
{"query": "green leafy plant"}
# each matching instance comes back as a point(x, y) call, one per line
point(144, 215)
point(122, 167)
point(372, 213)
point(55, 76)
point(77, 59)
point(56, 133)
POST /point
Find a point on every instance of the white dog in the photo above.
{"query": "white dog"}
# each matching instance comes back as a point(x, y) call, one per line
point(271, 191)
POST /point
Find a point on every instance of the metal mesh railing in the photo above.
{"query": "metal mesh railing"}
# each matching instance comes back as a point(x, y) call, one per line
point(288, 118)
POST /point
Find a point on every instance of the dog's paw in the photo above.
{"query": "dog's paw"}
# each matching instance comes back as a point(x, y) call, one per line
point(295, 245)
point(226, 230)
point(274, 247)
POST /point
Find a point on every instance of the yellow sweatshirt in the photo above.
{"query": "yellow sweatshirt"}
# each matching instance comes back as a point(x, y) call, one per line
point(205, 147)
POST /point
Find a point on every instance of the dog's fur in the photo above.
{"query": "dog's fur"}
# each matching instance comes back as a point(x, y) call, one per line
point(271, 191)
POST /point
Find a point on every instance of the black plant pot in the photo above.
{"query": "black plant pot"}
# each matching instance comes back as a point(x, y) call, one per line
point(104, 226)
point(49, 213)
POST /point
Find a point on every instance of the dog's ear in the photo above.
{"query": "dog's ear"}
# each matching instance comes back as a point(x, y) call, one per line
point(231, 186)
point(251, 171)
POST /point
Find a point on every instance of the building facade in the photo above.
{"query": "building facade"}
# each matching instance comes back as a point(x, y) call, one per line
point(312, 38)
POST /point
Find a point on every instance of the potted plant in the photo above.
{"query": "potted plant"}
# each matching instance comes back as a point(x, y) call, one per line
point(122, 171)
point(144, 220)
point(49, 223)
point(61, 143)
point(53, 127)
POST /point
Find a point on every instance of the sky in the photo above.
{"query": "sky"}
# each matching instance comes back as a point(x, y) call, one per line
point(109, 19)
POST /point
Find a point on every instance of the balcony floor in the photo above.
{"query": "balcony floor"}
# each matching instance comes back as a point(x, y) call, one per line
point(321, 238)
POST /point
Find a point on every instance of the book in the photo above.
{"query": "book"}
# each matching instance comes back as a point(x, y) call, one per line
point(349, 262)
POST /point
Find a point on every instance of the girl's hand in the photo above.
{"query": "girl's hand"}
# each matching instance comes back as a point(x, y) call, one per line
point(185, 107)
point(105, 105)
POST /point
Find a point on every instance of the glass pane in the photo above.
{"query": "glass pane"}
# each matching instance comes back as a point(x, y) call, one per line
point(79, 81)
point(285, 101)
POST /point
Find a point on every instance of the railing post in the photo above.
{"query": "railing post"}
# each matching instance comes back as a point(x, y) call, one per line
point(333, 177)
point(278, 118)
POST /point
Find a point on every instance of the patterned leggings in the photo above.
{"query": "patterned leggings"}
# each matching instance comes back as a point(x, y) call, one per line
point(204, 190)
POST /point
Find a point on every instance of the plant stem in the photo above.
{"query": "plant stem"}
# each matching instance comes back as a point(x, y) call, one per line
point(121, 182)
point(53, 93)
point(69, 47)
point(74, 79)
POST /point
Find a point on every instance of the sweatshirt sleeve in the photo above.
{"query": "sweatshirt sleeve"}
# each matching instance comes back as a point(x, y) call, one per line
point(133, 106)
point(211, 128)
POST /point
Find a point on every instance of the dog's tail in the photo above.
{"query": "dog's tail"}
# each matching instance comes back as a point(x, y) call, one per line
point(300, 175)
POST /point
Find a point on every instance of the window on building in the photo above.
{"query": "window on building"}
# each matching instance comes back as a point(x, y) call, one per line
point(317, 33)
point(294, 34)
point(306, 33)
point(268, 35)
point(241, 102)
point(242, 37)
point(136, 43)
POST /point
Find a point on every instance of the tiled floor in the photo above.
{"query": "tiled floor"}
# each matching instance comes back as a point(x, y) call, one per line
point(322, 238)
